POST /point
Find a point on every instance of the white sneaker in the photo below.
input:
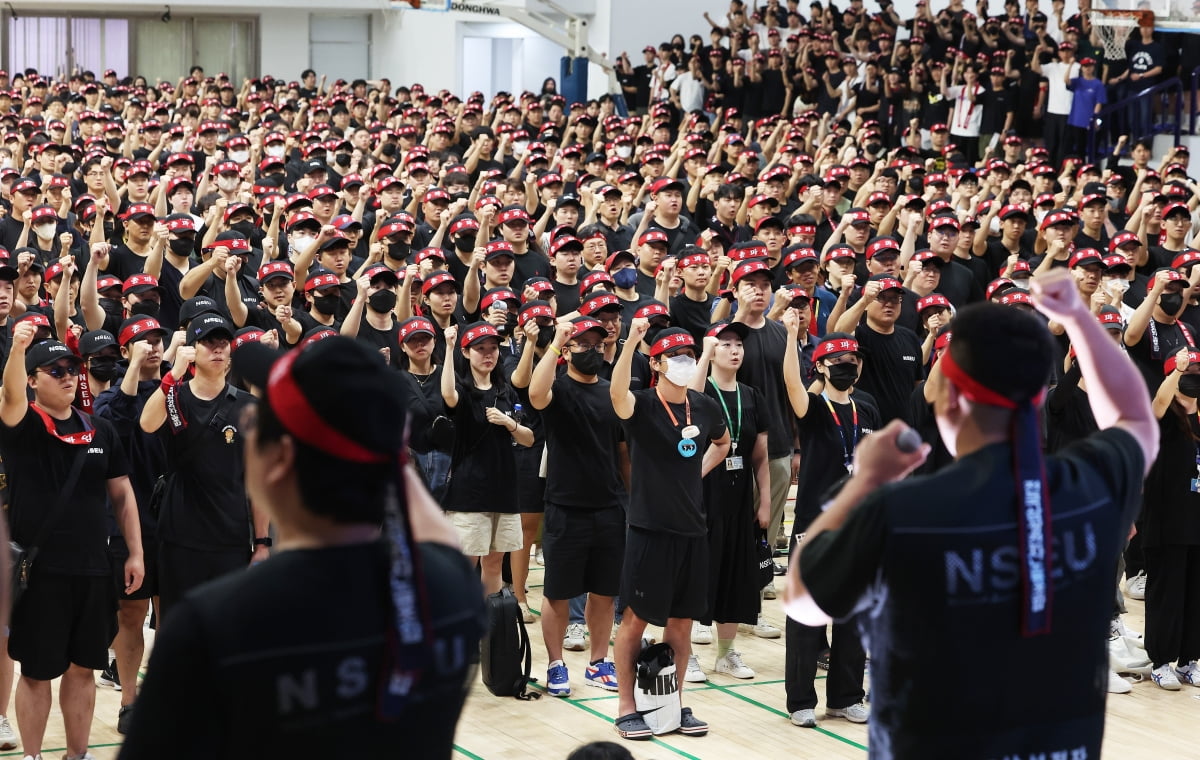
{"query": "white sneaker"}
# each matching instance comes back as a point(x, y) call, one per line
point(768, 591)
point(858, 713)
point(540, 559)
point(805, 718)
point(526, 615)
point(694, 674)
point(574, 640)
point(701, 634)
point(1135, 587)
point(1189, 674)
point(731, 665)
point(765, 630)
point(8, 737)
point(1118, 685)
point(1164, 676)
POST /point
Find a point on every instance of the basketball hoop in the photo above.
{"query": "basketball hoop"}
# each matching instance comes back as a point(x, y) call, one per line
point(1113, 27)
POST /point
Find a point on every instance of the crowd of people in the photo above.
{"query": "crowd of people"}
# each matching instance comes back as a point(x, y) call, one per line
point(620, 336)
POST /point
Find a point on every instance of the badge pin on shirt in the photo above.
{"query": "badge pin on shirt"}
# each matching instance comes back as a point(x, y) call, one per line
point(229, 431)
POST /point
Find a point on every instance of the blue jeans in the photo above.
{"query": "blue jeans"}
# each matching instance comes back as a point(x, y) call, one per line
point(435, 466)
point(579, 604)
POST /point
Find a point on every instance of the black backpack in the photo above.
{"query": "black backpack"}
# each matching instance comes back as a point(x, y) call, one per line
point(504, 654)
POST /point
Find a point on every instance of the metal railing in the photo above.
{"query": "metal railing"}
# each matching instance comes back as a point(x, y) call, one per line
point(1138, 108)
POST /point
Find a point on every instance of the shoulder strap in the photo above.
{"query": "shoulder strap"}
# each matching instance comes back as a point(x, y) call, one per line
point(525, 694)
point(64, 495)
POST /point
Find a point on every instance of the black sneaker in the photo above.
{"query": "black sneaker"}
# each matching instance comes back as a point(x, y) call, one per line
point(823, 660)
point(109, 677)
point(778, 569)
point(124, 719)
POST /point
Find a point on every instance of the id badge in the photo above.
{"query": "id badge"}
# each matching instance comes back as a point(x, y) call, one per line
point(733, 464)
point(1195, 485)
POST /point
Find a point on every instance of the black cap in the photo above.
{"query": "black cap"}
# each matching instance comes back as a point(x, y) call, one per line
point(96, 340)
point(206, 325)
point(194, 307)
point(46, 353)
point(295, 386)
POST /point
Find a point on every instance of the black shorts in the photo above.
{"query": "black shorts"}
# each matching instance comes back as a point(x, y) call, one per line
point(118, 552)
point(583, 549)
point(181, 569)
point(665, 576)
point(63, 620)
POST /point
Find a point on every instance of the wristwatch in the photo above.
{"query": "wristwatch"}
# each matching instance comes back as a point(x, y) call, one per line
point(267, 542)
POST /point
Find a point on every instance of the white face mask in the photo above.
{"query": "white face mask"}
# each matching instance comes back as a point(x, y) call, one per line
point(681, 370)
point(1116, 286)
point(177, 146)
point(6, 163)
point(228, 184)
point(520, 147)
point(275, 150)
point(1023, 284)
point(303, 245)
point(45, 231)
point(624, 151)
point(240, 156)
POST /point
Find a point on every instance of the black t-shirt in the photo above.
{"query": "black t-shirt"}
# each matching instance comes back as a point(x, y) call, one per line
point(997, 255)
point(959, 284)
point(891, 368)
point(205, 506)
point(307, 684)
point(37, 465)
point(381, 339)
point(423, 397)
point(147, 456)
point(1170, 508)
point(124, 263)
point(566, 295)
point(825, 447)
point(583, 434)
point(666, 487)
point(693, 316)
point(1069, 416)
point(935, 563)
point(1159, 343)
point(762, 368)
point(483, 465)
point(530, 264)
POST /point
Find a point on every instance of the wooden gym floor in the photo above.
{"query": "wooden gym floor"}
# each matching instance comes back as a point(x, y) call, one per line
point(747, 718)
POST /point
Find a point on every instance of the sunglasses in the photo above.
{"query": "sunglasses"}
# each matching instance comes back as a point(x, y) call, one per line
point(59, 371)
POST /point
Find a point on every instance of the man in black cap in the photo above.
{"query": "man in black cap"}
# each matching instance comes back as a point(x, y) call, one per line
point(584, 535)
point(676, 437)
point(389, 664)
point(892, 364)
point(142, 341)
point(1002, 551)
point(98, 349)
point(204, 518)
point(372, 319)
point(63, 466)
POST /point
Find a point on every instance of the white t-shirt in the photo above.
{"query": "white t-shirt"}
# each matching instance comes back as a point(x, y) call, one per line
point(967, 115)
point(1058, 97)
point(691, 92)
point(660, 79)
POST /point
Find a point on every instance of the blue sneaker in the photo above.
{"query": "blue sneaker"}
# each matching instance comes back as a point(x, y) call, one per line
point(558, 684)
point(602, 674)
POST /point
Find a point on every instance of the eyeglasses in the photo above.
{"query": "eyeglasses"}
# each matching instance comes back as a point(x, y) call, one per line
point(59, 371)
point(889, 300)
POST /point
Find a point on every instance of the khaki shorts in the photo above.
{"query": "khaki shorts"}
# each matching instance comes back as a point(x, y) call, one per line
point(482, 533)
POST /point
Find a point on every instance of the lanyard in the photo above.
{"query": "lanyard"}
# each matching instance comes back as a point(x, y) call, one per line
point(847, 445)
point(75, 439)
point(735, 431)
point(687, 406)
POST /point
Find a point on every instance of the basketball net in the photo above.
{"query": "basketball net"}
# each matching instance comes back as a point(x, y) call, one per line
point(1114, 27)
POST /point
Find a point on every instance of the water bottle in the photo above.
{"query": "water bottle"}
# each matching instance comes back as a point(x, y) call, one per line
point(518, 413)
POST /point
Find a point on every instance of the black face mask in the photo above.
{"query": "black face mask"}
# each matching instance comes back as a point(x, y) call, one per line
point(1171, 303)
point(544, 336)
point(464, 243)
point(382, 301)
point(873, 148)
point(112, 307)
point(389, 149)
point(146, 308)
point(589, 362)
point(342, 159)
point(842, 376)
point(183, 247)
point(327, 305)
point(1189, 385)
point(104, 368)
point(509, 326)
point(399, 251)
point(113, 143)
point(246, 228)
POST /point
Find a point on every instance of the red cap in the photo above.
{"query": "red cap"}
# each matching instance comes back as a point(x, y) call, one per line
point(930, 301)
point(835, 347)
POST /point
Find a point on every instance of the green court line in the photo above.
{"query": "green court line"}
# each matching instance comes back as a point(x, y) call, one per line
point(783, 714)
point(462, 751)
point(653, 739)
point(20, 753)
